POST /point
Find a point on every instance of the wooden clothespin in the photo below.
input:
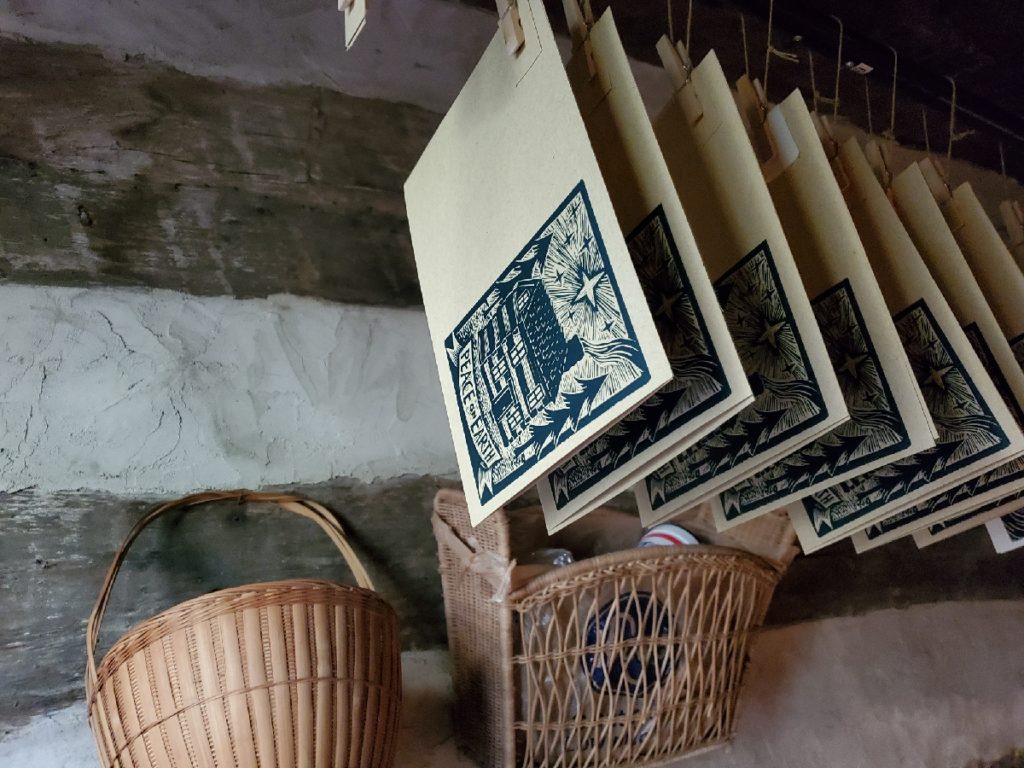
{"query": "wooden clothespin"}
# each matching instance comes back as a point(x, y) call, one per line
point(881, 164)
point(511, 25)
point(355, 19)
point(579, 17)
point(1013, 219)
point(676, 61)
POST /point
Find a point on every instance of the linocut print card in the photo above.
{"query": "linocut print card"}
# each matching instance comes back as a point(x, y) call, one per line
point(708, 383)
point(950, 527)
point(969, 431)
point(927, 228)
point(1007, 532)
point(987, 308)
point(887, 419)
point(540, 329)
point(941, 362)
point(796, 394)
point(987, 511)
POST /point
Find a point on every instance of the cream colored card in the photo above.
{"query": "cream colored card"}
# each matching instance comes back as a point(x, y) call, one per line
point(1007, 533)
point(541, 330)
point(796, 393)
point(1013, 220)
point(977, 430)
point(965, 521)
point(708, 382)
point(970, 236)
point(888, 419)
point(942, 361)
point(990, 261)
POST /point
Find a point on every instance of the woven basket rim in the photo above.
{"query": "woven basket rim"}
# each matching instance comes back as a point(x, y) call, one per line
point(194, 604)
point(626, 556)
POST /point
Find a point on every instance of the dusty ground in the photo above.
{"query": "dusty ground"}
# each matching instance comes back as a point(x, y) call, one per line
point(933, 686)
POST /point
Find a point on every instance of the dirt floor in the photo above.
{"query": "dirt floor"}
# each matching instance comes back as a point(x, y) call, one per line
point(932, 686)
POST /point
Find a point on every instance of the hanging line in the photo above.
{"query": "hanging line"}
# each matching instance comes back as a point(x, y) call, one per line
point(746, 55)
point(1002, 169)
point(814, 87)
point(839, 69)
point(891, 133)
point(771, 50)
point(671, 28)
point(953, 135)
point(689, 23)
point(867, 100)
point(924, 123)
point(952, 120)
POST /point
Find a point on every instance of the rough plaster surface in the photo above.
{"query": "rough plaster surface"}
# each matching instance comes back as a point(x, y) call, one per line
point(933, 686)
point(157, 392)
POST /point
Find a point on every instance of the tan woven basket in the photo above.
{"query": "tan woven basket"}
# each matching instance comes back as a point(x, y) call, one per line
point(627, 659)
point(288, 673)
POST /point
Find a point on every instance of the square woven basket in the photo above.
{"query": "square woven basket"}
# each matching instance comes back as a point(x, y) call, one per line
point(632, 658)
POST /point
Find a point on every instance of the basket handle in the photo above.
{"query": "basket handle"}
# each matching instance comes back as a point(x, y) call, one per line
point(301, 506)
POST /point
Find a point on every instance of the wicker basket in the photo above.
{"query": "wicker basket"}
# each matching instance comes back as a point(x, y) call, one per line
point(632, 658)
point(289, 673)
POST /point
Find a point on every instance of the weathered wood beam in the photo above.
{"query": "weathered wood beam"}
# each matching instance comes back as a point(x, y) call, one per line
point(130, 173)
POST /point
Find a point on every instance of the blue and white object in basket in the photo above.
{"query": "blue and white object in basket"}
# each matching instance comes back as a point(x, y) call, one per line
point(667, 535)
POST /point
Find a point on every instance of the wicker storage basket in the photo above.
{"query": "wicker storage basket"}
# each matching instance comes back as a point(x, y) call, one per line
point(289, 673)
point(626, 659)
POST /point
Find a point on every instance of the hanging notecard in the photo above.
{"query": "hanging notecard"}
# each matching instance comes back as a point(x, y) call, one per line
point(952, 381)
point(977, 430)
point(1013, 219)
point(990, 261)
point(985, 290)
point(1007, 532)
point(708, 383)
point(541, 331)
point(796, 394)
point(888, 420)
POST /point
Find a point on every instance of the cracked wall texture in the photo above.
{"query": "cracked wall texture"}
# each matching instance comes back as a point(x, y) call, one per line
point(158, 392)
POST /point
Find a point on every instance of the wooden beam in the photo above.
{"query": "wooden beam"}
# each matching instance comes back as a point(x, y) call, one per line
point(129, 173)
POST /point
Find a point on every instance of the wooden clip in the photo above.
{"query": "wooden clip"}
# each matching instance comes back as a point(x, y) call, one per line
point(579, 17)
point(510, 25)
point(676, 62)
point(676, 65)
point(1013, 220)
point(355, 19)
point(937, 178)
point(881, 163)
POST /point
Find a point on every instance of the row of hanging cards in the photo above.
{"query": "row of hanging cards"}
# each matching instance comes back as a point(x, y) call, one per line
point(1007, 532)
point(708, 382)
point(978, 431)
point(989, 309)
point(888, 420)
point(797, 397)
point(540, 328)
point(952, 382)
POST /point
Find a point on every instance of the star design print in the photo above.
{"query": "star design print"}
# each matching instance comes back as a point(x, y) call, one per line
point(586, 291)
point(770, 332)
point(937, 377)
point(851, 365)
point(667, 304)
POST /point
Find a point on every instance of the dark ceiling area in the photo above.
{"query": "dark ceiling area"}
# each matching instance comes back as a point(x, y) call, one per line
point(978, 43)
